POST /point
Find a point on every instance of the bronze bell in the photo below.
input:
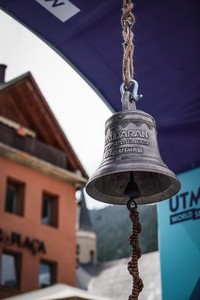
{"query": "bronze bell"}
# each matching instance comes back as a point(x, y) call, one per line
point(131, 165)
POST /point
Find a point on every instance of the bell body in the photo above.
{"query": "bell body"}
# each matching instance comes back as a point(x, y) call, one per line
point(131, 146)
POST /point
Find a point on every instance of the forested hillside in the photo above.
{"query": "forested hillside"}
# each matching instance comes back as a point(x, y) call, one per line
point(113, 228)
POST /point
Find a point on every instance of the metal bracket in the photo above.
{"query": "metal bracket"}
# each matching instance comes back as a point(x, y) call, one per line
point(128, 99)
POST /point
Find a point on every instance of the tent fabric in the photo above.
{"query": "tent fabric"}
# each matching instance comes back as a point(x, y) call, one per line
point(166, 59)
point(55, 292)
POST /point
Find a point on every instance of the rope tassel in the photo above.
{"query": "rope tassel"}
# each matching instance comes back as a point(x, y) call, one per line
point(136, 252)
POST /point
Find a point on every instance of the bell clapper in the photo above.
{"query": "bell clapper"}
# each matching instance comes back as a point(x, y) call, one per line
point(132, 191)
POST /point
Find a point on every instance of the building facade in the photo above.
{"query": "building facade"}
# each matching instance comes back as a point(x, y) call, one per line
point(39, 175)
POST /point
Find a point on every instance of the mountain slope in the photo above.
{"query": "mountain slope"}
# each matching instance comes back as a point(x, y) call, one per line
point(113, 228)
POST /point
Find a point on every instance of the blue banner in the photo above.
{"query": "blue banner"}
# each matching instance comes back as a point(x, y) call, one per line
point(179, 240)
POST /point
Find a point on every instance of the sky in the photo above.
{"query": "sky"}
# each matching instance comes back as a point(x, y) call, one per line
point(77, 108)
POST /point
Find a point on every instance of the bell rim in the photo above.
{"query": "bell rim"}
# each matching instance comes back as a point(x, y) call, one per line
point(172, 190)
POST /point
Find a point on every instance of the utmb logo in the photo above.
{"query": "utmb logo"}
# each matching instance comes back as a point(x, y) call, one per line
point(184, 207)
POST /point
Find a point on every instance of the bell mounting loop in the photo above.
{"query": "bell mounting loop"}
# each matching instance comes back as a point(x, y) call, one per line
point(129, 98)
point(134, 95)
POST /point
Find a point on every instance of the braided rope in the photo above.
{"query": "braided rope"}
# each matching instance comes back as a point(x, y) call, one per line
point(136, 254)
point(127, 21)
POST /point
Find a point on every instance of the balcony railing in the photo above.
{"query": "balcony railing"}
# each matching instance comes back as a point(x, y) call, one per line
point(32, 146)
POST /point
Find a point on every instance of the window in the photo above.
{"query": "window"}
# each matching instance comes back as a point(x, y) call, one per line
point(77, 255)
point(10, 269)
point(92, 256)
point(50, 210)
point(47, 274)
point(14, 197)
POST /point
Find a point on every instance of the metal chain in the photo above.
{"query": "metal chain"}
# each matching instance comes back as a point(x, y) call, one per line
point(127, 21)
point(136, 252)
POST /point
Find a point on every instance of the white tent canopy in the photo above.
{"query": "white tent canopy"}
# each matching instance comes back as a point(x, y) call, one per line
point(57, 291)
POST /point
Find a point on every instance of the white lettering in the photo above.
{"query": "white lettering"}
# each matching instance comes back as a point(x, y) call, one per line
point(61, 9)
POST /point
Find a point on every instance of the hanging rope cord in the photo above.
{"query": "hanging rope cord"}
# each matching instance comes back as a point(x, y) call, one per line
point(127, 21)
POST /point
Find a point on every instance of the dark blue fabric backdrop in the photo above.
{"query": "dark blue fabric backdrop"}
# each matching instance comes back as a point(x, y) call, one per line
point(166, 59)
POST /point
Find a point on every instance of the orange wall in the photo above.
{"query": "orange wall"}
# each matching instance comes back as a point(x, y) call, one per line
point(60, 242)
